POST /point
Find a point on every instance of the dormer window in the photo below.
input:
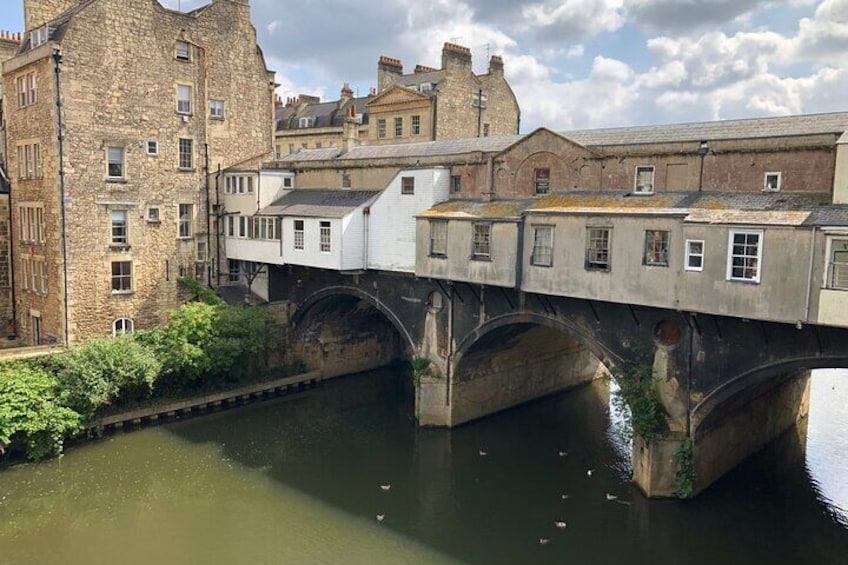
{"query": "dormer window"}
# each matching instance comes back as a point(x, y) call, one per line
point(183, 51)
point(306, 122)
point(771, 182)
point(425, 86)
point(644, 180)
point(39, 36)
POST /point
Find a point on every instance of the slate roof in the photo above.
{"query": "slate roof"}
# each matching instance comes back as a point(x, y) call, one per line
point(426, 149)
point(433, 77)
point(319, 203)
point(59, 24)
point(325, 114)
point(835, 123)
point(835, 215)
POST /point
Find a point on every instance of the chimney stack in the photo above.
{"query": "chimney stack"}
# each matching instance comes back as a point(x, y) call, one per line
point(496, 65)
point(423, 69)
point(456, 56)
point(388, 70)
point(346, 94)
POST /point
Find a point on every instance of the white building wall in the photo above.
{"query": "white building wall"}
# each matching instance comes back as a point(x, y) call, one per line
point(258, 251)
point(272, 186)
point(311, 255)
point(391, 224)
point(353, 252)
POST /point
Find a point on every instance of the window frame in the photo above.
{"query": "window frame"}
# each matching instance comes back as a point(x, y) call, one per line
point(216, 109)
point(381, 128)
point(639, 189)
point(650, 250)
point(535, 258)
point(181, 154)
point(185, 225)
point(541, 180)
point(154, 144)
point(689, 254)
point(415, 125)
point(185, 105)
point(592, 261)
point(122, 277)
point(438, 241)
point(455, 184)
point(758, 257)
point(325, 236)
point(399, 126)
point(125, 327)
point(180, 54)
point(109, 162)
point(481, 241)
point(153, 217)
point(779, 178)
point(119, 235)
point(407, 186)
point(834, 267)
point(299, 231)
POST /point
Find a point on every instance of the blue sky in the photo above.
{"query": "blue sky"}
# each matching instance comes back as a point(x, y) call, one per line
point(574, 63)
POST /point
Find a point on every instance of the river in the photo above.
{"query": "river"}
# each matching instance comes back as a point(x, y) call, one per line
point(301, 480)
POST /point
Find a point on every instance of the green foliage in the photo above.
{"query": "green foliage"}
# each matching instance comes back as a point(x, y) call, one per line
point(30, 413)
point(200, 293)
point(95, 375)
point(638, 400)
point(685, 477)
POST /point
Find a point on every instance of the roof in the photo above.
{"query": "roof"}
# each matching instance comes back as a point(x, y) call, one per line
point(697, 207)
point(319, 203)
point(414, 79)
point(324, 114)
point(425, 149)
point(59, 24)
point(811, 124)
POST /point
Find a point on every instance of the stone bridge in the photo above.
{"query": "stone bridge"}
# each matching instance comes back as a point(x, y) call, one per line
point(729, 385)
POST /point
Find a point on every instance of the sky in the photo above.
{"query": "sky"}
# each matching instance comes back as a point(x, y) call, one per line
point(573, 64)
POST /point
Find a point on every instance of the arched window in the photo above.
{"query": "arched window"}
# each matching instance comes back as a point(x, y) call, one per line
point(122, 326)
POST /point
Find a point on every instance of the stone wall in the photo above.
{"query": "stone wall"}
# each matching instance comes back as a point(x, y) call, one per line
point(39, 12)
point(131, 48)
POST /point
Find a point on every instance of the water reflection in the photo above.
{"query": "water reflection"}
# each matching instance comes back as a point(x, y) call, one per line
point(297, 480)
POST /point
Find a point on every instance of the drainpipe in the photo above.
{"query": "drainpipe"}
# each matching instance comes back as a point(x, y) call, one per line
point(519, 252)
point(366, 213)
point(703, 149)
point(208, 211)
point(490, 178)
point(14, 333)
point(57, 60)
point(810, 276)
point(218, 226)
point(479, 110)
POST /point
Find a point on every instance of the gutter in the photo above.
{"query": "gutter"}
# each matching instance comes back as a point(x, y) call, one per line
point(57, 60)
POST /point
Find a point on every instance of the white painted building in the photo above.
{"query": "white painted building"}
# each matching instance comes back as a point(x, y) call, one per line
point(391, 222)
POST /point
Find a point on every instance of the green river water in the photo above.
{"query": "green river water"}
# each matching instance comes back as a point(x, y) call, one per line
point(298, 480)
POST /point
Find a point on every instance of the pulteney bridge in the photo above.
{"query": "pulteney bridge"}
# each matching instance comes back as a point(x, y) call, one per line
point(730, 385)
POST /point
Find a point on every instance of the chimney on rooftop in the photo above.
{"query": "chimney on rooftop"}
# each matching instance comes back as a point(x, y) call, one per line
point(388, 70)
point(456, 57)
point(346, 94)
point(496, 65)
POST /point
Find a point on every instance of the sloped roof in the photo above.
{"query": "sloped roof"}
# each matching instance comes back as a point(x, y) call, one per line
point(319, 203)
point(419, 78)
point(835, 123)
point(324, 114)
point(835, 215)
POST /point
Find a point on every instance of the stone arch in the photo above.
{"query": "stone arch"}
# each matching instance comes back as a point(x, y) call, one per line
point(328, 293)
point(559, 173)
point(601, 351)
point(735, 391)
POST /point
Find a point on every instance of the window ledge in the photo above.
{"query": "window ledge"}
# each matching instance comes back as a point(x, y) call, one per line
point(642, 193)
point(116, 180)
point(216, 119)
point(185, 238)
point(157, 222)
point(120, 247)
point(438, 256)
point(744, 281)
point(656, 265)
point(123, 292)
point(481, 258)
point(186, 169)
point(541, 265)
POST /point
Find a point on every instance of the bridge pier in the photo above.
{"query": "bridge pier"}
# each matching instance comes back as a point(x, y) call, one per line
point(729, 434)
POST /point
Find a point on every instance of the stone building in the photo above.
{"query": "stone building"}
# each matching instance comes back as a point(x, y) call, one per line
point(150, 102)
point(428, 104)
point(9, 45)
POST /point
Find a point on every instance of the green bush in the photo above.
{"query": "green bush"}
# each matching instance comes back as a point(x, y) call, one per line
point(101, 372)
point(30, 413)
point(200, 293)
point(638, 400)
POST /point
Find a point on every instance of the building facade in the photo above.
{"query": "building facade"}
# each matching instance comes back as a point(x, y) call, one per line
point(150, 102)
point(429, 104)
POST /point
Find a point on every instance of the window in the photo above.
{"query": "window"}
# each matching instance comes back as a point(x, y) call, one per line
point(317, 145)
point(234, 273)
point(186, 154)
point(183, 99)
point(186, 221)
point(438, 238)
point(656, 248)
point(541, 180)
point(25, 261)
point(119, 227)
point(325, 237)
point(837, 272)
point(216, 109)
point(455, 184)
point(407, 185)
point(543, 242)
point(381, 128)
point(32, 224)
point(287, 182)
point(416, 125)
point(121, 276)
point(479, 100)
point(291, 148)
point(183, 51)
point(29, 161)
point(482, 234)
point(744, 254)
point(42, 269)
point(39, 36)
point(152, 147)
point(694, 255)
point(277, 152)
point(153, 215)
point(33, 273)
point(243, 226)
point(598, 249)
point(122, 326)
point(425, 87)
point(345, 180)
point(298, 234)
point(644, 180)
point(115, 163)
point(306, 122)
point(485, 130)
point(27, 93)
point(231, 226)
point(398, 127)
point(771, 182)
point(202, 251)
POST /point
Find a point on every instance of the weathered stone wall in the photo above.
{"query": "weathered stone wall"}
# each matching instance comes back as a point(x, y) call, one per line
point(39, 12)
point(502, 111)
point(131, 48)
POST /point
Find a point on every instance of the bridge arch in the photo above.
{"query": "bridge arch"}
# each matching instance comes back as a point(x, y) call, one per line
point(331, 292)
